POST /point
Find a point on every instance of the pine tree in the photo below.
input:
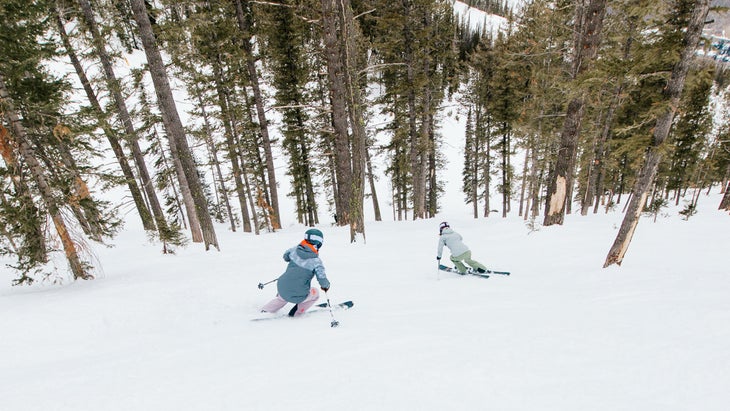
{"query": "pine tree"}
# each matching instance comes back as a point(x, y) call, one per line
point(110, 133)
point(690, 133)
point(173, 125)
point(286, 37)
point(588, 24)
point(42, 153)
point(615, 72)
point(470, 173)
point(688, 26)
point(413, 43)
point(245, 17)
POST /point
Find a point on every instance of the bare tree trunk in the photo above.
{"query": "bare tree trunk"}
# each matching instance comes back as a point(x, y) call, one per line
point(121, 107)
point(725, 202)
point(424, 144)
point(187, 196)
point(245, 25)
point(349, 37)
point(417, 146)
point(251, 202)
point(83, 206)
point(475, 156)
point(373, 193)
point(54, 209)
point(589, 19)
point(144, 212)
point(487, 167)
point(333, 177)
point(523, 188)
point(172, 122)
point(595, 182)
point(537, 172)
point(214, 155)
point(244, 173)
point(505, 170)
point(672, 92)
point(263, 194)
point(34, 239)
point(223, 103)
point(338, 97)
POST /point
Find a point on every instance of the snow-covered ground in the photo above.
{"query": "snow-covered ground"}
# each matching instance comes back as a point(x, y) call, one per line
point(159, 332)
point(173, 332)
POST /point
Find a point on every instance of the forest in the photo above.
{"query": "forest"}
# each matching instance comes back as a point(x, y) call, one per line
point(602, 103)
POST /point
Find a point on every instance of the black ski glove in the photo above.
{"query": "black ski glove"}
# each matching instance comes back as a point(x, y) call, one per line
point(438, 258)
point(325, 289)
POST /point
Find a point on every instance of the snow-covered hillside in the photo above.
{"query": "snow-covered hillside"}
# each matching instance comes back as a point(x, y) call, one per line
point(158, 332)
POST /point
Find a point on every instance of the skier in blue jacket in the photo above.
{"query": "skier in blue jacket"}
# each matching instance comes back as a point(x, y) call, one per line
point(460, 253)
point(295, 285)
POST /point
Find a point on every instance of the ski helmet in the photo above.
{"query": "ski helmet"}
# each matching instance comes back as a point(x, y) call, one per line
point(442, 226)
point(314, 237)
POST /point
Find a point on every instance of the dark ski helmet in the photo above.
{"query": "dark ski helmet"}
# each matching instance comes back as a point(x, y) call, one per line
point(442, 226)
point(314, 237)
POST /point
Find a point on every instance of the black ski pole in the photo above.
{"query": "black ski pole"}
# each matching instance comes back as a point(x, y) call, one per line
point(334, 322)
point(261, 285)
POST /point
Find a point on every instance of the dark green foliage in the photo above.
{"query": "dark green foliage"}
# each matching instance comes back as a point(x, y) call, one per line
point(497, 7)
point(650, 65)
point(655, 207)
point(689, 210)
point(149, 128)
point(689, 135)
point(414, 43)
point(287, 47)
point(63, 152)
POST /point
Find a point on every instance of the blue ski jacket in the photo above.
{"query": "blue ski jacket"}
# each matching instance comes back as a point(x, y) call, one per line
point(304, 263)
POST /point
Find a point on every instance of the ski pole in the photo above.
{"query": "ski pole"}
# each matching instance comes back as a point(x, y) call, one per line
point(334, 322)
point(261, 285)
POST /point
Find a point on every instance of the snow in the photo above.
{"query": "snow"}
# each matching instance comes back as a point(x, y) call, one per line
point(173, 332)
point(161, 332)
point(477, 19)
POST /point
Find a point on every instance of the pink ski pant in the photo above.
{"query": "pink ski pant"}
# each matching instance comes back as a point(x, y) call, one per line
point(277, 303)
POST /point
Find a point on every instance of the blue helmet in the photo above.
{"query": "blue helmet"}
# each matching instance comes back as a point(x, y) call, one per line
point(314, 237)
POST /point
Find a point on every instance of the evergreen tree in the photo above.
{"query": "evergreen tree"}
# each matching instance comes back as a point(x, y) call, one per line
point(173, 125)
point(45, 157)
point(288, 46)
point(690, 134)
point(588, 24)
point(114, 89)
point(688, 20)
point(413, 41)
point(269, 198)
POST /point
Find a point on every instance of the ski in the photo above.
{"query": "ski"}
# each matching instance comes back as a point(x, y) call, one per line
point(471, 271)
point(315, 309)
point(344, 305)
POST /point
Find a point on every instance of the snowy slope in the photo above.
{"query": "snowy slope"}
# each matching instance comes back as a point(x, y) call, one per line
point(159, 332)
point(478, 19)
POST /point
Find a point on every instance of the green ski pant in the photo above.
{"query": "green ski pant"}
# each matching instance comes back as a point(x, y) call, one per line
point(459, 261)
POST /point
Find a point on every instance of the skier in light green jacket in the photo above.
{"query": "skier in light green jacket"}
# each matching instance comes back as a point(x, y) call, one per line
point(460, 253)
